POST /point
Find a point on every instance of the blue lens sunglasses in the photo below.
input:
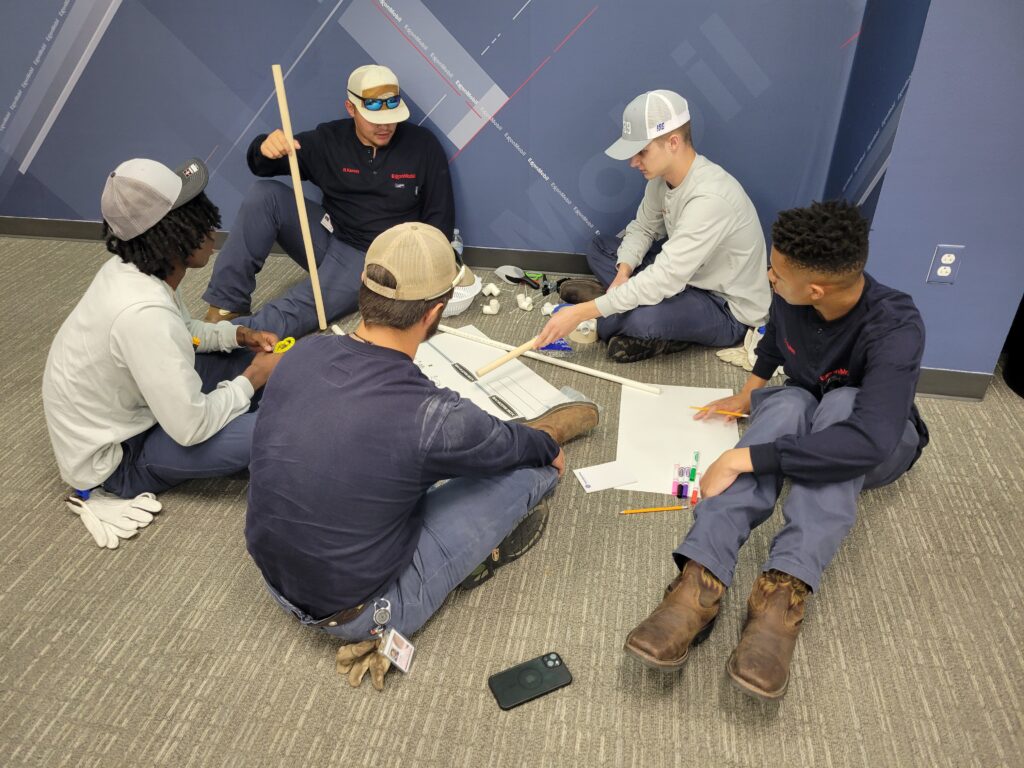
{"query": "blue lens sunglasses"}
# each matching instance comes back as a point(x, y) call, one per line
point(376, 105)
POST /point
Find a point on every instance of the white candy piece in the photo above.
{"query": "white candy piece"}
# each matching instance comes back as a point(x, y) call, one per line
point(491, 307)
point(548, 308)
point(490, 290)
point(525, 302)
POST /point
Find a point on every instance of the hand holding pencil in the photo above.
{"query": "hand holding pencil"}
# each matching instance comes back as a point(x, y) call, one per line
point(730, 408)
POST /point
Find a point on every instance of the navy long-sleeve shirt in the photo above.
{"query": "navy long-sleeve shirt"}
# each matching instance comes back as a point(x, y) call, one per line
point(348, 439)
point(877, 347)
point(408, 180)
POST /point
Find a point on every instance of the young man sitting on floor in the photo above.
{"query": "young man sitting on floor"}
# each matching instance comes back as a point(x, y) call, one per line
point(130, 406)
point(845, 421)
point(707, 282)
point(346, 520)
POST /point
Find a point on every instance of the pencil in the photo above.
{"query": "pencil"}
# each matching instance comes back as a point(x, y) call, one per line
point(724, 413)
point(649, 509)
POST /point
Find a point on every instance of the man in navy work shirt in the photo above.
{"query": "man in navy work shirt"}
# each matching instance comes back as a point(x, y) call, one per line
point(845, 421)
point(344, 516)
point(375, 171)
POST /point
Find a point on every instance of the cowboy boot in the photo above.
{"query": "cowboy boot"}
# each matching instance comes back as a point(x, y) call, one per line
point(759, 666)
point(683, 619)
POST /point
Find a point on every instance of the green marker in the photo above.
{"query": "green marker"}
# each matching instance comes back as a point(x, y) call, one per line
point(693, 469)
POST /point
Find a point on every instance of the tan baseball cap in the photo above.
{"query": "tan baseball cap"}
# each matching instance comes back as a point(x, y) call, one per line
point(140, 192)
point(376, 84)
point(647, 117)
point(421, 260)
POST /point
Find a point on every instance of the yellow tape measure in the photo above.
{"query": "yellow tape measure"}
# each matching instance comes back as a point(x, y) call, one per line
point(284, 345)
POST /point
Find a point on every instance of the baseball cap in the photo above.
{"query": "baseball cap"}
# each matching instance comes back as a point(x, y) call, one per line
point(373, 81)
point(647, 117)
point(421, 260)
point(140, 192)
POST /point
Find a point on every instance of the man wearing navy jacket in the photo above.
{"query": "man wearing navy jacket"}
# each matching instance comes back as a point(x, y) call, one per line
point(851, 348)
point(375, 171)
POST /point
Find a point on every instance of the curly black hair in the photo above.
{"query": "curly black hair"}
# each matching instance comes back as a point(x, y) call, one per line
point(170, 241)
point(829, 237)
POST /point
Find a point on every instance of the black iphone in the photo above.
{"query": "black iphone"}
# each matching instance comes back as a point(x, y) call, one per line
point(529, 680)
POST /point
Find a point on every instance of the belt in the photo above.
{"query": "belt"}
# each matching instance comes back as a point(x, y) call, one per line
point(342, 617)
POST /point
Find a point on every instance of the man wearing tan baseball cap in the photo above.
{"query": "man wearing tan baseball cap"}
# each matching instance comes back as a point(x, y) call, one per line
point(346, 521)
point(374, 169)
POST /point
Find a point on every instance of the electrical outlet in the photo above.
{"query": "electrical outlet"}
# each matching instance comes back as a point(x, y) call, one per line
point(945, 264)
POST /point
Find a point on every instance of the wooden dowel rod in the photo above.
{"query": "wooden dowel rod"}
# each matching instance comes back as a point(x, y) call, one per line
point(555, 361)
point(300, 201)
point(506, 357)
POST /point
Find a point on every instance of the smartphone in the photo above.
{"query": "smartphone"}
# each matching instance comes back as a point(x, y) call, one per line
point(529, 680)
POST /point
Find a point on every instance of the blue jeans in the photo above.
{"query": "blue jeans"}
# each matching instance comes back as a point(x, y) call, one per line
point(693, 315)
point(268, 213)
point(817, 515)
point(153, 461)
point(463, 520)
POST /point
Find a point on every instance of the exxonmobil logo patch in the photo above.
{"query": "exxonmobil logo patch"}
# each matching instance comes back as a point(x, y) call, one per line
point(400, 176)
point(346, 169)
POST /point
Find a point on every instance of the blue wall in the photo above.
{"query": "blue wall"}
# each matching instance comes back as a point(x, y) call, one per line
point(765, 79)
point(955, 176)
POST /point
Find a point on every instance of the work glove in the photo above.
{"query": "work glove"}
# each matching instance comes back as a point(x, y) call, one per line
point(356, 659)
point(109, 518)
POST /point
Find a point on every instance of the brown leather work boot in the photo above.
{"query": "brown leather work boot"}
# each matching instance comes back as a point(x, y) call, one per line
point(579, 290)
point(684, 619)
point(566, 420)
point(760, 664)
point(216, 314)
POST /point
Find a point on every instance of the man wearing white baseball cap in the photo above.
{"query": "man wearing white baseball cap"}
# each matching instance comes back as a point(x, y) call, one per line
point(345, 520)
point(130, 406)
point(704, 280)
point(375, 170)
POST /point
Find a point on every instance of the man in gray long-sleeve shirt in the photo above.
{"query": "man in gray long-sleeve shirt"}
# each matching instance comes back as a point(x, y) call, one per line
point(708, 282)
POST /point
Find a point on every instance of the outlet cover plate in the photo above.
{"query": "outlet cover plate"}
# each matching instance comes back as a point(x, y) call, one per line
point(946, 261)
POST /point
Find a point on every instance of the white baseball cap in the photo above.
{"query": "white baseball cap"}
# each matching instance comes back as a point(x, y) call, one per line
point(376, 83)
point(647, 117)
point(140, 192)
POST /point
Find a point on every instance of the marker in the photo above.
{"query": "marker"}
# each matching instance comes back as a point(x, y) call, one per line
point(693, 469)
point(686, 490)
point(693, 498)
point(736, 414)
point(649, 509)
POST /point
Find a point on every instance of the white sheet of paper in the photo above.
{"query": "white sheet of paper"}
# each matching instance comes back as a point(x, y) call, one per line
point(599, 477)
point(656, 432)
point(511, 391)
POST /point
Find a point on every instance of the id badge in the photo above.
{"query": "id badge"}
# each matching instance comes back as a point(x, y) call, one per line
point(326, 223)
point(397, 648)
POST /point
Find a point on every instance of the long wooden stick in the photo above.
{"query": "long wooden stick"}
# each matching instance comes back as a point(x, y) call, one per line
point(506, 357)
point(293, 165)
point(555, 361)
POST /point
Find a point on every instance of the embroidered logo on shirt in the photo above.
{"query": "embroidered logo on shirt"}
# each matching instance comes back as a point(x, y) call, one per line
point(346, 169)
point(789, 346)
point(400, 176)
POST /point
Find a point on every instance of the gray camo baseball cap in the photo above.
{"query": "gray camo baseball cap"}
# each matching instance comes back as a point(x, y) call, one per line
point(140, 192)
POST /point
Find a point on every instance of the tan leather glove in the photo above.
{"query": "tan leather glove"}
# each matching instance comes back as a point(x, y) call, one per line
point(356, 659)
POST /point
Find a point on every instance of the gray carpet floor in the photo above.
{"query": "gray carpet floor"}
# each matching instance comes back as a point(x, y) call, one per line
point(168, 651)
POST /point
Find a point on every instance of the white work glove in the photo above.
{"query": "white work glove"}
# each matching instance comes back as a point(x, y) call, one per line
point(110, 519)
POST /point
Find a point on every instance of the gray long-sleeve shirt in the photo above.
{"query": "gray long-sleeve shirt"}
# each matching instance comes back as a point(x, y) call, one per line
point(714, 243)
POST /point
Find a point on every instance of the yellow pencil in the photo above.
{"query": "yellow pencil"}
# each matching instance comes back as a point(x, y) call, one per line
point(724, 413)
point(649, 509)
